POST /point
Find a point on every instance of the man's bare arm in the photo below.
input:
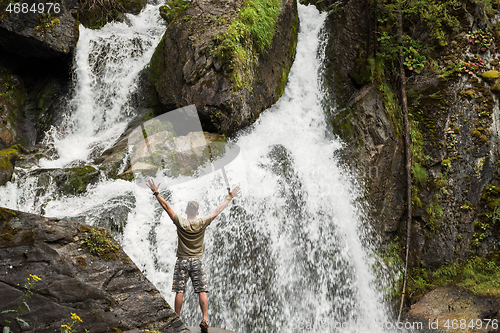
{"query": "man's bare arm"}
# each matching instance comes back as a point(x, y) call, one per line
point(163, 202)
point(220, 208)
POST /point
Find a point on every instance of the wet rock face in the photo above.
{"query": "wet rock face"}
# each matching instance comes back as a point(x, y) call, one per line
point(373, 148)
point(375, 153)
point(107, 294)
point(456, 196)
point(38, 30)
point(185, 70)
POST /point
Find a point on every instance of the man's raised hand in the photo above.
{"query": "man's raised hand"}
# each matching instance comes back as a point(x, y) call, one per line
point(152, 186)
point(234, 192)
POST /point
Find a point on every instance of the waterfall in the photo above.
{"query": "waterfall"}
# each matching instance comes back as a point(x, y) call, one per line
point(107, 64)
point(286, 255)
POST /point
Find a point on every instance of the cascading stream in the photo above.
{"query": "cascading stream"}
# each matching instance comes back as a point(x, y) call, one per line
point(284, 256)
point(107, 64)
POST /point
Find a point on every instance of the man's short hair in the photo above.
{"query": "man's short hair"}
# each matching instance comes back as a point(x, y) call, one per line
point(192, 208)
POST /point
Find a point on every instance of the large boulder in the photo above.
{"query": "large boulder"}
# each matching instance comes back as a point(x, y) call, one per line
point(38, 30)
point(83, 271)
point(211, 57)
point(448, 308)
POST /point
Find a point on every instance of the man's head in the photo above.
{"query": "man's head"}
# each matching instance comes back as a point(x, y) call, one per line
point(192, 208)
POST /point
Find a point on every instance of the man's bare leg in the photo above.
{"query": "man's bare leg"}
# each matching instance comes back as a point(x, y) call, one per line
point(178, 303)
point(204, 304)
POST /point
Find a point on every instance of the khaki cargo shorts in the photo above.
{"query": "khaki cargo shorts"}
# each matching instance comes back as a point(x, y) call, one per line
point(190, 267)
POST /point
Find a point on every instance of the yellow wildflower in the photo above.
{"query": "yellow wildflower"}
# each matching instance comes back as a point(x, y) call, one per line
point(34, 277)
point(66, 327)
point(75, 317)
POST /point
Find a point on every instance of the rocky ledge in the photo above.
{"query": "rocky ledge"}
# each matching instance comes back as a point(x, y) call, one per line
point(456, 309)
point(83, 271)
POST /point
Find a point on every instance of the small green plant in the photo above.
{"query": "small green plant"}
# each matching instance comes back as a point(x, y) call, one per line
point(446, 164)
point(46, 22)
point(472, 66)
point(435, 213)
point(419, 174)
point(451, 138)
point(23, 305)
point(75, 320)
point(481, 38)
point(413, 60)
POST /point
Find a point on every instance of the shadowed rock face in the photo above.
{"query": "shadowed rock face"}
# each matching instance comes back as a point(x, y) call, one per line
point(34, 33)
point(185, 71)
point(106, 294)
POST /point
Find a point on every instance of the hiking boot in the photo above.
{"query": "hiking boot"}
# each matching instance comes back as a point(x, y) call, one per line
point(204, 326)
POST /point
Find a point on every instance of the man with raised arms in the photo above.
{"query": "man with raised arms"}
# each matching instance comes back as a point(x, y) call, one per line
point(189, 264)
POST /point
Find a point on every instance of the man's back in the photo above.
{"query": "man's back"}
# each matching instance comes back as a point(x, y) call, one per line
point(191, 235)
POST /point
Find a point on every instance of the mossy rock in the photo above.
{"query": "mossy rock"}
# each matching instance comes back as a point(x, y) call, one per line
point(468, 93)
point(157, 63)
point(7, 159)
point(76, 180)
point(69, 181)
point(343, 126)
point(101, 244)
point(490, 76)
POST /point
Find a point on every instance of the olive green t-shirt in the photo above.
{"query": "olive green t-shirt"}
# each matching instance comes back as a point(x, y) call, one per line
point(191, 235)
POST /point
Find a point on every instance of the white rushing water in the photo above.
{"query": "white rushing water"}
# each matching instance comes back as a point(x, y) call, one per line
point(287, 254)
point(107, 63)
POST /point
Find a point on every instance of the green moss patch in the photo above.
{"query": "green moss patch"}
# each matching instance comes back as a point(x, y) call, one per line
point(76, 180)
point(343, 125)
point(480, 275)
point(100, 244)
point(7, 157)
point(419, 174)
point(253, 29)
point(490, 75)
